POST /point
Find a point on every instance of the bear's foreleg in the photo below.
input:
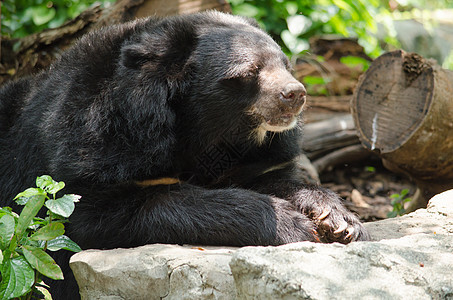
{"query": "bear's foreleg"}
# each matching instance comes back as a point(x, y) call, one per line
point(334, 222)
point(181, 213)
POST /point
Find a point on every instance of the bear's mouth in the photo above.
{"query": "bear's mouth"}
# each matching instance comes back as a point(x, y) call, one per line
point(275, 120)
point(280, 123)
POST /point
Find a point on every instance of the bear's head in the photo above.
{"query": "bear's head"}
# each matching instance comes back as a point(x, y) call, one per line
point(247, 73)
point(224, 69)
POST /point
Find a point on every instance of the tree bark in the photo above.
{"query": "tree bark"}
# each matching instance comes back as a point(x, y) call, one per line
point(402, 108)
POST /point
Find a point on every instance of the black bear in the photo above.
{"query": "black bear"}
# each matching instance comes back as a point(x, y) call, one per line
point(173, 130)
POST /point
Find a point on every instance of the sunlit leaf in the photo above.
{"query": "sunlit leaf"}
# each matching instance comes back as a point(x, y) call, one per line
point(42, 14)
point(23, 197)
point(63, 242)
point(247, 10)
point(63, 206)
point(314, 80)
point(353, 61)
point(45, 292)
point(51, 186)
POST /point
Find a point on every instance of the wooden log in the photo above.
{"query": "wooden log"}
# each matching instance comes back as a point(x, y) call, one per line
point(403, 110)
point(341, 156)
point(326, 136)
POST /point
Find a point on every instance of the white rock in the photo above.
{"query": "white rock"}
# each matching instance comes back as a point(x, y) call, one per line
point(154, 272)
point(413, 267)
point(411, 257)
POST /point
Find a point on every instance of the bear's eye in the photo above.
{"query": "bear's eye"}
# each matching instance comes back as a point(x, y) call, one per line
point(243, 71)
point(253, 71)
point(287, 64)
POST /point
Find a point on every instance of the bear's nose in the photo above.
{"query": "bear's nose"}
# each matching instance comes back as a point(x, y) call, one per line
point(293, 94)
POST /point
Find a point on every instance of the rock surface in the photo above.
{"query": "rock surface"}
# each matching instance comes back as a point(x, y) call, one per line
point(411, 257)
point(416, 266)
point(155, 272)
point(437, 218)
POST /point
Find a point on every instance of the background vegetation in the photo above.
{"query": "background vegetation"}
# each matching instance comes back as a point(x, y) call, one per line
point(291, 22)
point(23, 17)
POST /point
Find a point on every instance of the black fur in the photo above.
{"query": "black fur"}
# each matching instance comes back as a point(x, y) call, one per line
point(184, 97)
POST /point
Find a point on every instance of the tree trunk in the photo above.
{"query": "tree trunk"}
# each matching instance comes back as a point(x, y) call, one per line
point(403, 109)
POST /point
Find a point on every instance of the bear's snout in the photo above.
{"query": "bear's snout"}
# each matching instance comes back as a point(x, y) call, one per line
point(293, 95)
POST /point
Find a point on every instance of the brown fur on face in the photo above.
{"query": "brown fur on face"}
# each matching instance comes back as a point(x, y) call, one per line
point(275, 111)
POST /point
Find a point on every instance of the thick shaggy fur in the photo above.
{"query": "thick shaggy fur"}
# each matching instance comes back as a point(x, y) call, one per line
point(176, 130)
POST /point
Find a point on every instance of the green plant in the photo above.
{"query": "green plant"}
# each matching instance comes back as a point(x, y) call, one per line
point(25, 238)
point(398, 203)
point(370, 169)
point(293, 22)
point(23, 17)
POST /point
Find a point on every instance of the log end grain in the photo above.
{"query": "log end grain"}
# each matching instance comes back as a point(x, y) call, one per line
point(392, 100)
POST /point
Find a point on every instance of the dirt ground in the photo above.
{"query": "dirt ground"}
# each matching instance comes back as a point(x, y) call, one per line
point(366, 187)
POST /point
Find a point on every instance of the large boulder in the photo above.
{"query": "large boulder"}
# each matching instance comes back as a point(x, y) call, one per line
point(417, 266)
point(410, 257)
point(155, 272)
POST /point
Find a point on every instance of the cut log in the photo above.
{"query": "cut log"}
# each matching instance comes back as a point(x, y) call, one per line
point(403, 110)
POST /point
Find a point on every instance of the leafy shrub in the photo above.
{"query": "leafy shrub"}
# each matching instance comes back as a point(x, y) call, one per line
point(293, 22)
point(23, 17)
point(25, 238)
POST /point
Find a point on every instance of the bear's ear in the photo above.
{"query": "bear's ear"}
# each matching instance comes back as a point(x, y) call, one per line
point(165, 48)
point(134, 56)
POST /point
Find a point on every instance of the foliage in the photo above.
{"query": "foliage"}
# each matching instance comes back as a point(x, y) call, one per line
point(398, 203)
point(25, 238)
point(407, 5)
point(23, 17)
point(293, 22)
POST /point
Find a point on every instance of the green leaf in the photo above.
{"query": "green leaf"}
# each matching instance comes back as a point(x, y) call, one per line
point(63, 206)
point(45, 292)
point(6, 210)
point(13, 244)
point(314, 80)
point(42, 262)
point(247, 10)
point(17, 278)
point(51, 186)
point(41, 14)
point(404, 192)
point(63, 242)
point(7, 225)
point(392, 214)
point(48, 232)
point(22, 198)
point(44, 181)
point(30, 210)
point(370, 169)
point(353, 61)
